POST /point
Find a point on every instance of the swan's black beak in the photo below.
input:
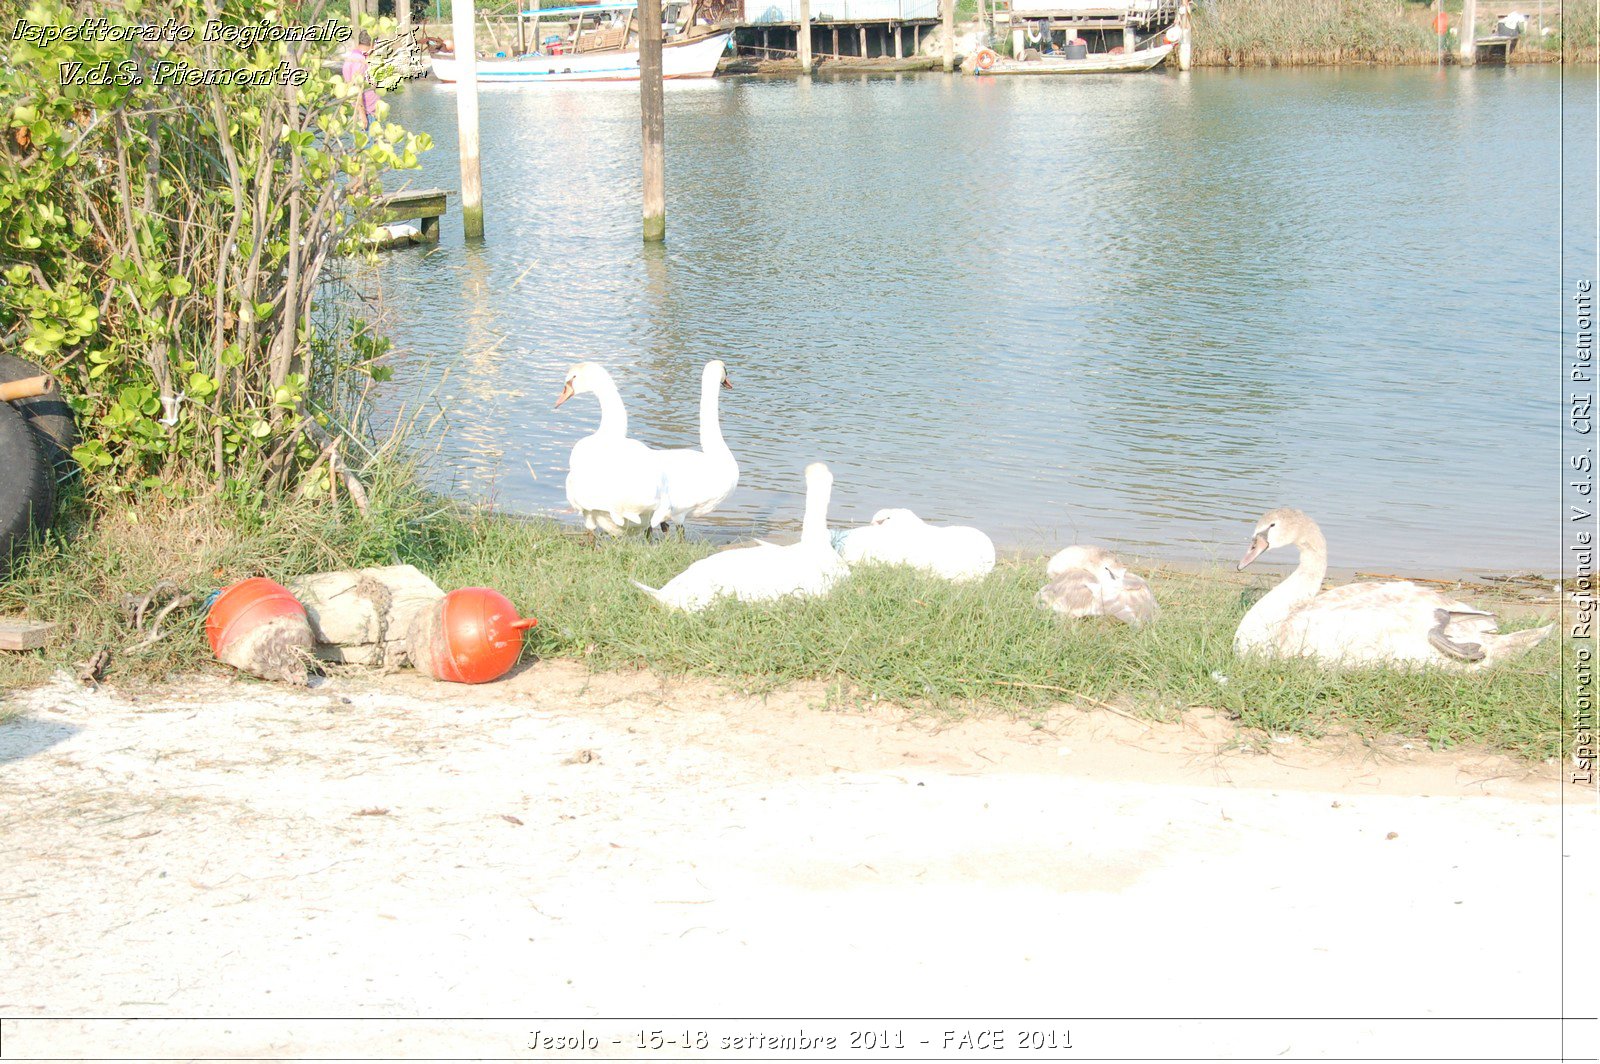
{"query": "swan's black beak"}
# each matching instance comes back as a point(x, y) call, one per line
point(566, 393)
point(1257, 545)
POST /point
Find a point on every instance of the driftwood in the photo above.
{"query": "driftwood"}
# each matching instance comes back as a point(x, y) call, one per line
point(362, 617)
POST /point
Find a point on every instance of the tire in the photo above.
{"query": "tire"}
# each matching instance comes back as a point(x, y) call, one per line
point(27, 488)
point(48, 415)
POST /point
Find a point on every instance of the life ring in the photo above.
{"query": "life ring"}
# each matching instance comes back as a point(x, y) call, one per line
point(986, 58)
point(1174, 34)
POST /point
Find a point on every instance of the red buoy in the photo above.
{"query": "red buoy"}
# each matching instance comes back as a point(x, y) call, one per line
point(257, 626)
point(1441, 23)
point(472, 636)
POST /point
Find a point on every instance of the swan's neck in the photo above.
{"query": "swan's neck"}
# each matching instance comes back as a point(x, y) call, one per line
point(710, 424)
point(814, 528)
point(613, 415)
point(1298, 588)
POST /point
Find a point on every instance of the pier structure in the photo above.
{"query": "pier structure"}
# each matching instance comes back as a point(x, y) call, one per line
point(1105, 27)
point(840, 29)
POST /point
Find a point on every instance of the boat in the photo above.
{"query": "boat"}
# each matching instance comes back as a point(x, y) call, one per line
point(601, 54)
point(1108, 63)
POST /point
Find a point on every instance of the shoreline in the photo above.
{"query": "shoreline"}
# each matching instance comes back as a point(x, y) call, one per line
point(1529, 583)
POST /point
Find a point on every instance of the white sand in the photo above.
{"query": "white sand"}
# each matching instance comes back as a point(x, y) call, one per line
point(683, 851)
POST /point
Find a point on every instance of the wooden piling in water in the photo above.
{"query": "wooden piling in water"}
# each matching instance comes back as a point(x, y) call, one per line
point(651, 122)
point(803, 37)
point(1467, 33)
point(947, 10)
point(464, 17)
point(1185, 37)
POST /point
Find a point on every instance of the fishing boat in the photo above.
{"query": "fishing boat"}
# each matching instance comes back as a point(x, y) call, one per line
point(600, 53)
point(1107, 63)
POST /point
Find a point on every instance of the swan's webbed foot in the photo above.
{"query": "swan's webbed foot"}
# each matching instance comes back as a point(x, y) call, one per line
point(1447, 646)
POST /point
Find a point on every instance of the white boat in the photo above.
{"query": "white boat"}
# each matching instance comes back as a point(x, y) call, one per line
point(1118, 63)
point(679, 59)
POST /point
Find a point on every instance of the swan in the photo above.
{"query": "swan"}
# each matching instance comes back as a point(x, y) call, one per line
point(1393, 622)
point(766, 571)
point(698, 480)
point(1091, 581)
point(900, 537)
point(616, 483)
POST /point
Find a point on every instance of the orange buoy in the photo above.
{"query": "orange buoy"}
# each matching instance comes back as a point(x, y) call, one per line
point(987, 58)
point(258, 627)
point(1441, 23)
point(472, 636)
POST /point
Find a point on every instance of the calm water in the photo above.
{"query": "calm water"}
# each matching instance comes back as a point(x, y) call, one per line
point(1137, 310)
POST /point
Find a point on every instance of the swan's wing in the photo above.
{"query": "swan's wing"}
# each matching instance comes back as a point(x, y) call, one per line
point(1074, 593)
point(1134, 603)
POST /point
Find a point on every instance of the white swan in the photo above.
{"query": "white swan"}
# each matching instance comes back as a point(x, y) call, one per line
point(616, 483)
point(900, 537)
point(766, 571)
point(1093, 582)
point(699, 480)
point(1395, 622)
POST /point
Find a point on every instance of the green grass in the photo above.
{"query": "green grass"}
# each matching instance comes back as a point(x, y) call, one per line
point(885, 633)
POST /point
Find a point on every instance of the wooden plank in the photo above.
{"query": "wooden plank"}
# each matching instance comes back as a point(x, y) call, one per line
point(19, 634)
point(423, 203)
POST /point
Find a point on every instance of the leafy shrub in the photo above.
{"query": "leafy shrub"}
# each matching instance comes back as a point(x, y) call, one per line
point(172, 192)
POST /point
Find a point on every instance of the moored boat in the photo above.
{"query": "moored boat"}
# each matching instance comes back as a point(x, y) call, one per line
point(1108, 63)
point(695, 58)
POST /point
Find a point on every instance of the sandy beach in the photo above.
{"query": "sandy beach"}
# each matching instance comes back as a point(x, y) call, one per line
point(568, 845)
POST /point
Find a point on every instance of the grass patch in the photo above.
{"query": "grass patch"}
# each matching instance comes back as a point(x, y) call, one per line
point(885, 633)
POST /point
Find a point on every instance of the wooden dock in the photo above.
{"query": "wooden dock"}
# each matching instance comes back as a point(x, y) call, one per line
point(424, 205)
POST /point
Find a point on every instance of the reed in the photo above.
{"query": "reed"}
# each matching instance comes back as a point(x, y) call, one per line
point(1308, 32)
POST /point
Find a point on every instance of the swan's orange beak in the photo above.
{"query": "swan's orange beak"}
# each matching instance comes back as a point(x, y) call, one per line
point(1257, 545)
point(726, 383)
point(566, 393)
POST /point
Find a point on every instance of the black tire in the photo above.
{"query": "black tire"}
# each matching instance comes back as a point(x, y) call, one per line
point(27, 488)
point(47, 415)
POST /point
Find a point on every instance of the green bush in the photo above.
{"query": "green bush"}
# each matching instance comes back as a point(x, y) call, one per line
point(172, 192)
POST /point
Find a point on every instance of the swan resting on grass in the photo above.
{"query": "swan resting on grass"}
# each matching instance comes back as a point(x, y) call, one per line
point(699, 480)
point(765, 571)
point(900, 537)
point(1394, 622)
point(1093, 582)
point(616, 483)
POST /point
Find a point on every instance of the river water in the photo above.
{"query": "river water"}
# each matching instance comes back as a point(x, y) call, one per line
point(1137, 310)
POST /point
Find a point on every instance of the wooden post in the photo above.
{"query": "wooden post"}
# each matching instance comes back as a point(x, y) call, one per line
point(803, 37)
point(916, 39)
point(948, 11)
point(522, 32)
point(1130, 37)
point(863, 40)
point(1185, 37)
point(1467, 33)
point(899, 46)
point(402, 13)
point(465, 17)
point(836, 42)
point(651, 107)
point(357, 9)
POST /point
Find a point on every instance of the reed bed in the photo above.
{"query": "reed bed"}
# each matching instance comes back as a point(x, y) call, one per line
point(1308, 33)
point(885, 634)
